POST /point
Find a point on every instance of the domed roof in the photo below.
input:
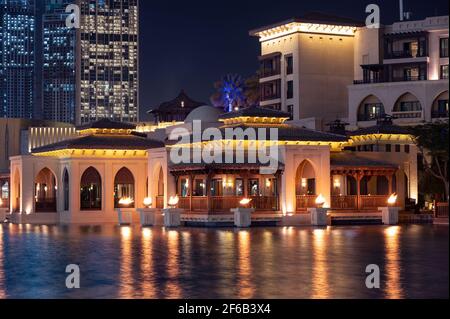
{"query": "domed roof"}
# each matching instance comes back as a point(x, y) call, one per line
point(206, 113)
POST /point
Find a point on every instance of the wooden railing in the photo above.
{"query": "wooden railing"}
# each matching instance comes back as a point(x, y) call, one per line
point(305, 201)
point(344, 202)
point(159, 202)
point(441, 210)
point(373, 201)
point(226, 203)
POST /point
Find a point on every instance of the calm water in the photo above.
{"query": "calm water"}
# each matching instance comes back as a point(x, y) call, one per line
point(212, 263)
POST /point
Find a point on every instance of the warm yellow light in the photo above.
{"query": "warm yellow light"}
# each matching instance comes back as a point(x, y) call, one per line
point(393, 199)
point(148, 202)
point(337, 183)
point(304, 182)
point(173, 201)
point(320, 201)
point(268, 183)
point(127, 201)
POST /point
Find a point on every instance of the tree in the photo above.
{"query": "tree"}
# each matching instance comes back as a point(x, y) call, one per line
point(230, 92)
point(233, 91)
point(432, 140)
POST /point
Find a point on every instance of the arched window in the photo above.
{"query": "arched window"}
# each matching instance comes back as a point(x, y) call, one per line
point(66, 190)
point(370, 109)
point(45, 191)
point(4, 199)
point(306, 179)
point(91, 190)
point(124, 189)
point(440, 106)
point(407, 106)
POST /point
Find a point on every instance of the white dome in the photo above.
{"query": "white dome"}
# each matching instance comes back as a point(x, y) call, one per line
point(206, 113)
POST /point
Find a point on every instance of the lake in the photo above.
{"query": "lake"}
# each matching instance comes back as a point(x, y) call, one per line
point(130, 262)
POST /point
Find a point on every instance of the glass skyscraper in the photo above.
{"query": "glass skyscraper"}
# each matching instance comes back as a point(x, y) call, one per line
point(17, 58)
point(108, 60)
point(92, 72)
point(58, 63)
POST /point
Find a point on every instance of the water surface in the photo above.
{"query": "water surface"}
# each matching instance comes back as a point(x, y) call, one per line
point(224, 263)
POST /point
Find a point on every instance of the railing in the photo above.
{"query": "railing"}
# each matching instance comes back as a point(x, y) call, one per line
point(409, 78)
point(344, 202)
point(408, 115)
point(305, 201)
point(46, 205)
point(265, 73)
point(226, 203)
point(199, 203)
point(373, 201)
point(439, 114)
point(368, 81)
point(405, 55)
point(159, 202)
point(441, 210)
point(4, 203)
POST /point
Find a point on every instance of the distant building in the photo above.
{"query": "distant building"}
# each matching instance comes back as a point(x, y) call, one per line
point(175, 110)
point(91, 73)
point(17, 58)
point(401, 70)
point(321, 68)
point(306, 65)
point(58, 76)
point(108, 61)
point(19, 136)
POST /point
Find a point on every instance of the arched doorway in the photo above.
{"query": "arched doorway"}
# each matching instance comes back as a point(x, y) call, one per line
point(440, 106)
point(305, 186)
point(4, 197)
point(370, 109)
point(91, 190)
point(16, 192)
point(160, 190)
point(45, 192)
point(66, 190)
point(407, 106)
point(124, 189)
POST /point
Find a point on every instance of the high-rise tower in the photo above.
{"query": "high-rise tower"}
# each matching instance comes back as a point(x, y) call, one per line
point(17, 58)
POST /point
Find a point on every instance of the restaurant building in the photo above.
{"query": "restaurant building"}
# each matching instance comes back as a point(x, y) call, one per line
point(110, 165)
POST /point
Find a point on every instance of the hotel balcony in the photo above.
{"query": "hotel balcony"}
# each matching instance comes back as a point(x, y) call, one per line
point(404, 54)
point(410, 101)
point(270, 65)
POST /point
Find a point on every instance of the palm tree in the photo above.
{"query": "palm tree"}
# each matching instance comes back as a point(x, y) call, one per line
point(230, 92)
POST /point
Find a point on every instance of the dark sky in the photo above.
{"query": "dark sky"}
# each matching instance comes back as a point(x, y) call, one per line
point(192, 44)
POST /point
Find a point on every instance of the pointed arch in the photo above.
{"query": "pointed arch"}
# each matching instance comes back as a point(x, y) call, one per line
point(45, 188)
point(124, 188)
point(407, 106)
point(370, 109)
point(66, 189)
point(91, 190)
point(439, 109)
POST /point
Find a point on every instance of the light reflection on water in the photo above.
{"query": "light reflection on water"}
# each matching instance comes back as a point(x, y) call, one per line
point(393, 260)
point(130, 262)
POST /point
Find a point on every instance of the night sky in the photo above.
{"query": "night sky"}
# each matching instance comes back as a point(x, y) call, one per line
point(191, 44)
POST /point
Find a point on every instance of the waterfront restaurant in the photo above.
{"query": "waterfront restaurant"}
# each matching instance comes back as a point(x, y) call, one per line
point(110, 166)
